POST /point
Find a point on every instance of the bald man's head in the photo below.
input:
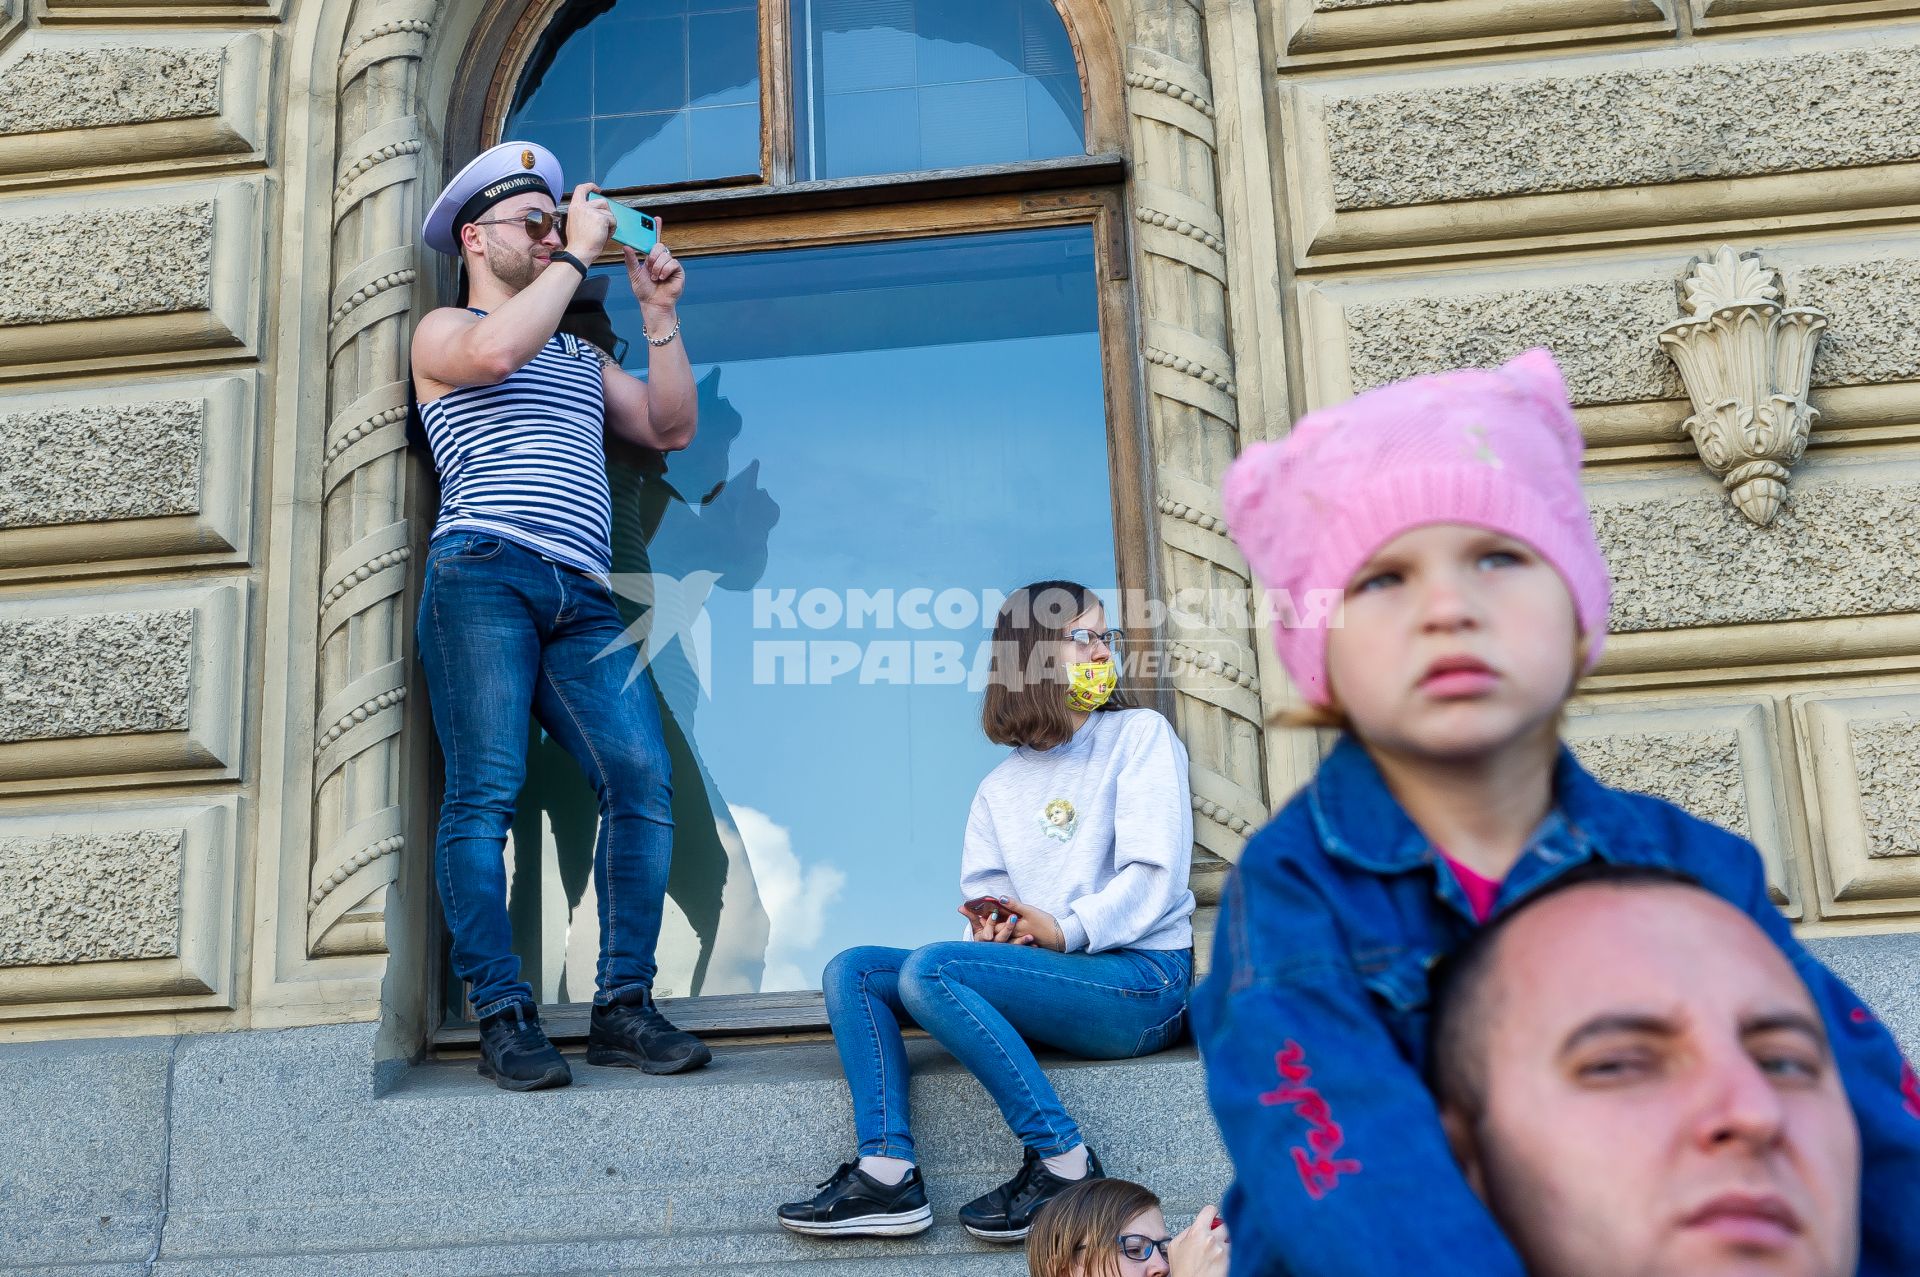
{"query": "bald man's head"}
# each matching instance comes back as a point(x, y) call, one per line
point(1639, 1085)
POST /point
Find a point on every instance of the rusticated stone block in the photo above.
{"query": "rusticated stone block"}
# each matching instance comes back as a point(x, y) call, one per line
point(1699, 771)
point(100, 462)
point(1602, 332)
point(1840, 547)
point(90, 897)
point(117, 262)
point(1602, 335)
point(1706, 119)
point(1886, 758)
point(95, 675)
point(47, 90)
point(1874, 309)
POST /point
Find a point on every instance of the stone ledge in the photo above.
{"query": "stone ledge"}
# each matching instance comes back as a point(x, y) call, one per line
point(623, 1158)
point(85, 1154)
point(281, 1156)
point(1321, 31)
point(281, 1159)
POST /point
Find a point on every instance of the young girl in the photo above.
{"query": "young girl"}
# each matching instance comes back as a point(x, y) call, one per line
point(1075, 862)
point(1115, 1228)
point(1448, 511)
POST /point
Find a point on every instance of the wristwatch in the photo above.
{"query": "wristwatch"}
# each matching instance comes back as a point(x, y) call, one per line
point(564, 256)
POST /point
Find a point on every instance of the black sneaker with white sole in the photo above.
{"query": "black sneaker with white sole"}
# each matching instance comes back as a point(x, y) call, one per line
point(852, 1203)
point(1007, 1213)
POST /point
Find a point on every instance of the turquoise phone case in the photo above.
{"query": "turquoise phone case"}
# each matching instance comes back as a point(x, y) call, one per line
point(638, 231)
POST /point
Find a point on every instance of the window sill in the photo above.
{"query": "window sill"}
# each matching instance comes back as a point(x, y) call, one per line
point(724, 1016)
point(886, 188)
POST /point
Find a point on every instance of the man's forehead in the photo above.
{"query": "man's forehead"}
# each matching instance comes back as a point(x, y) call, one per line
point(530, 201)
point(1640, 949)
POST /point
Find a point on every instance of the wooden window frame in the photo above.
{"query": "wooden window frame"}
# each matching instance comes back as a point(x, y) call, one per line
point(710, 218)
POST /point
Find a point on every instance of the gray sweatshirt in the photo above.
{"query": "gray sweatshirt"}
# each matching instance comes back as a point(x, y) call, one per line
point(1097, 831)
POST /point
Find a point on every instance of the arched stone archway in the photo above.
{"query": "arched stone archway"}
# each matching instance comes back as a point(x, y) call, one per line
point(392, 79)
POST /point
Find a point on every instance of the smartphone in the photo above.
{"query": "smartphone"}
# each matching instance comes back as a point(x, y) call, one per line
point(988, 909)
point(638, 231)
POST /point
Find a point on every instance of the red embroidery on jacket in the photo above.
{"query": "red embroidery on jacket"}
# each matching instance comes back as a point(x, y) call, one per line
point(1909, 1083)
point(1319, 1170)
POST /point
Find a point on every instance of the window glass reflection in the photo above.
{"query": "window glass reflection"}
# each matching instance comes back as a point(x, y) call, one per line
point(894, 86)
point(645, 92)
point(912, 416)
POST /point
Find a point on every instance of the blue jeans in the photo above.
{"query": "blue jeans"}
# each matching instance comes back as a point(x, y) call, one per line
point(503, 631)
point(985, 1002)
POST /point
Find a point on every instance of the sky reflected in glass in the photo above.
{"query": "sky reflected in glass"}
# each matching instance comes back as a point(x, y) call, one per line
point(645, 92)
point(898, 86)
point(917, 415)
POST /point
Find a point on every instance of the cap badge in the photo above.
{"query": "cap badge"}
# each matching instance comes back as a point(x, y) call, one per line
point(526, 159)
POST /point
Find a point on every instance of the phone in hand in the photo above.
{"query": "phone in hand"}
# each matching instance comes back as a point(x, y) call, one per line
point(638, 231)
point(989, 909)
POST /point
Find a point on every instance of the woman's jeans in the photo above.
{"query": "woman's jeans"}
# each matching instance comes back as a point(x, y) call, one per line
point(503, 631)
point(984, 1002)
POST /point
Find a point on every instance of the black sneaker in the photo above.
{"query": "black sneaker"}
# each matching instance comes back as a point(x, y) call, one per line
point(855, 1204)
point(515, 1053)
point(631, 1032)
point(1006, 1213)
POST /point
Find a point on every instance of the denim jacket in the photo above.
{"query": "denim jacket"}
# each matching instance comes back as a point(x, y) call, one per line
point(1313, 1026)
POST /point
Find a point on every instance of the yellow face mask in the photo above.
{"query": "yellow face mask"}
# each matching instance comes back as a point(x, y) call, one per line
point(1090, 683)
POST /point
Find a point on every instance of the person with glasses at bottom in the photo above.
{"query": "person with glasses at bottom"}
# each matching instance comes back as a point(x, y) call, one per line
point(1115, 1228)
point(516, 609)
point(1074, 877)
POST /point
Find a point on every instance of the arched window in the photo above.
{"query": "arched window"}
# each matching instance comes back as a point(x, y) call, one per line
point(667, 93)
point(908, 311)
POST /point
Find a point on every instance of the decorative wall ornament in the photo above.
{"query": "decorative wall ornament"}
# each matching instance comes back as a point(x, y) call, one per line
point(1746, 358)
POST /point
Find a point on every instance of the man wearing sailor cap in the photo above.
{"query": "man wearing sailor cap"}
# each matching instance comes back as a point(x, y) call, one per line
point(516, 610)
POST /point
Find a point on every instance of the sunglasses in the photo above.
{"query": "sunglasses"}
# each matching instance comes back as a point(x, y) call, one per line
point(536, 222)
point(1109, 637)
point(1139, 1247)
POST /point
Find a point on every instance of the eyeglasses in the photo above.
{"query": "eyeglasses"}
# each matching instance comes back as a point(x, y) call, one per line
point(1084, 636)
point(536, 222)
point(1140, 1247)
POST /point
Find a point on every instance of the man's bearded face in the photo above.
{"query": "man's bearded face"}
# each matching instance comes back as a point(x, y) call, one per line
point(512, 258)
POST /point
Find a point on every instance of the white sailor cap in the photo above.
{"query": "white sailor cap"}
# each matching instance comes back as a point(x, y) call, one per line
point(509, 169)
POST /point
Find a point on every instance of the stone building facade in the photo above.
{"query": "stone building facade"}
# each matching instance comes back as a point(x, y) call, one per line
point(215, 753)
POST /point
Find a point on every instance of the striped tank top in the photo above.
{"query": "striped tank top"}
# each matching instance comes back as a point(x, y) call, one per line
point(526, 459)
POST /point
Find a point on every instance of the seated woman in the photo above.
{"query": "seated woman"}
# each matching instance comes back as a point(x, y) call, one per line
point(1114, 1228)
point(1074, 868)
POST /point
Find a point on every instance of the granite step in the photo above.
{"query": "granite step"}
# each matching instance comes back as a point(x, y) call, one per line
point(276, 1153)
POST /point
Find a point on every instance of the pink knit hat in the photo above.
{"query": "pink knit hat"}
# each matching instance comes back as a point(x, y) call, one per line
point(1495, 449)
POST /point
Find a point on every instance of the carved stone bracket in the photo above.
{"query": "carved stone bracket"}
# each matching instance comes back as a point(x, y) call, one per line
point(1746, 358)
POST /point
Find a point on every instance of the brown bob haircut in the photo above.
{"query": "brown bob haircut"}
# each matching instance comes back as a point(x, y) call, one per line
point(1081, 1224)
point(1026, 689)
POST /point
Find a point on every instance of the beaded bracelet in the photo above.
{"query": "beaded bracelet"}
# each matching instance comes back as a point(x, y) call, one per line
point(661, 341)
